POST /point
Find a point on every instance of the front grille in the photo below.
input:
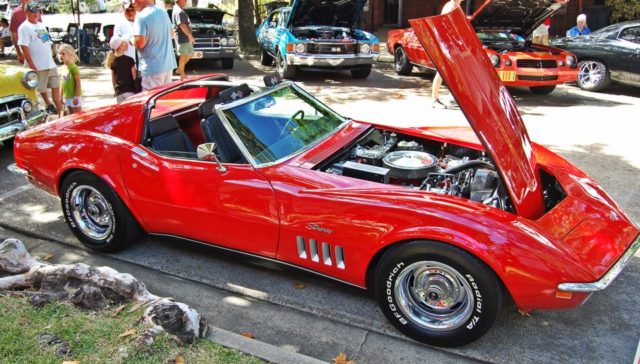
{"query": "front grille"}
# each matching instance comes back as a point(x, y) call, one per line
point(9, 111)
point(533, 63)
point(331, 48)
point(207, 43)
point(538, 78)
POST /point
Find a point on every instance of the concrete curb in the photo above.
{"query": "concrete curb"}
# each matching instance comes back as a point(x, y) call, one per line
point(257, 348)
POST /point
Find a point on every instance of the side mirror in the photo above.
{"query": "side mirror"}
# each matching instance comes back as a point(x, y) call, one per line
point(206, 152)
point(272, 24)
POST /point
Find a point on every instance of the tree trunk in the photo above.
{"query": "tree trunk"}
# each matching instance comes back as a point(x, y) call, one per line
point(246, 27)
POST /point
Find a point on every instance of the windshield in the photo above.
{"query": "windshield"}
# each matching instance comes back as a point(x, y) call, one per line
point(281, 124)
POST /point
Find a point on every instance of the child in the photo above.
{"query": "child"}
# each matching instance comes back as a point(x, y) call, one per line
point(5, 35)
point(71, 96)
point(123, 68)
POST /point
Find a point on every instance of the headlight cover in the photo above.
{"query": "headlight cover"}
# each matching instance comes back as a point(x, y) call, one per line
point(495, 60)
point(300, 48)
point(365, 48)
point(232, 42)
point(223, 41)
point(27, 107)
point(30, 79)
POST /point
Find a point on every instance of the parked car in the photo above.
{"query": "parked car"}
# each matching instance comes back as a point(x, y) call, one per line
point(317, 35)
point(213, 40)
point(439, 222)
point(502, 26)
point(19, 107)
point(608, 54)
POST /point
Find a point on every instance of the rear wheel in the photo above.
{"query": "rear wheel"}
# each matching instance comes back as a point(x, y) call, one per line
point(227, 63)
point(401, 63)
point(436, 293)
point(95, 214)
point(361, 72)
point(542, 90)
point(265, 59)
point(593, 75)
point(284, 70)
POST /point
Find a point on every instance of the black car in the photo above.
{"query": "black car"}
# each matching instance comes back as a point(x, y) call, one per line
point(610, 53)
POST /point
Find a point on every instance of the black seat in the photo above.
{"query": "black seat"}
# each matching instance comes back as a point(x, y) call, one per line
point(208, 107)
point(166, 136)
point(214, 132)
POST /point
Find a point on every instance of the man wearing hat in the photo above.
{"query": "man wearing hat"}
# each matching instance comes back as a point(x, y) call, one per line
point(152, 35)
point(35, 44)
point(18, 16)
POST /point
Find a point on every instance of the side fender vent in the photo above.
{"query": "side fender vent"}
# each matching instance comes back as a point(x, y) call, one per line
point(326, 253)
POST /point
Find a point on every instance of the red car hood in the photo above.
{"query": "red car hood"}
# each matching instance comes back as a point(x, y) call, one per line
point(457, 53)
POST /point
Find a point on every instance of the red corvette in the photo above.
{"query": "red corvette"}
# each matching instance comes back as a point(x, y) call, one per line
point(440, 223)
point(502, 26)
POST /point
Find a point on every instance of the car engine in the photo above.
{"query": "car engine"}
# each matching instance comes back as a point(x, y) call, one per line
point(320, 34)
point(419, 164)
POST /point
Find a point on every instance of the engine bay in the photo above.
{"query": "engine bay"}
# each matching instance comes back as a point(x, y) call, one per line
point(324, 33)
point(420, 164)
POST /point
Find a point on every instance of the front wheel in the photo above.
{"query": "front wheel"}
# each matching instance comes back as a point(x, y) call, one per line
point(95, 214)
point(542, 90)
point(437, 294)
point(401, 62)
point(284, 70)
point(593, 75)
point(361, 72)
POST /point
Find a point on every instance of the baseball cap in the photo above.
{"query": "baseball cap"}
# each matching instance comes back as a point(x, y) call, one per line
point(116, 42)
point(33, 7)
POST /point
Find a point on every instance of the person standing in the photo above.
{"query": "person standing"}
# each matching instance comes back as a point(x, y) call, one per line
point(123, 69)
point(124, 28)
point(185, 39)
point(35, 44)
point(18, 16)
point(152, 35)
point(541, 33)
point(437, 80)
point(71, 91)
point(5, 35)
point(581, 27)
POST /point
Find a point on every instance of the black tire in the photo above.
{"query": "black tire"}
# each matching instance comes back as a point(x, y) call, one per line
point(8, 143)
point(361, 72)
point(284, 70)
point(401, 63)
point(265, 59)
point(227, 63)
point(95, 214)
point(593, 75)
point(542, 90)
point(415, 281)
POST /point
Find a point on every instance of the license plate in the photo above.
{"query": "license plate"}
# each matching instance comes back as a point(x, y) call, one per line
point(507, 76)
point(335, 49)
point(197, 54)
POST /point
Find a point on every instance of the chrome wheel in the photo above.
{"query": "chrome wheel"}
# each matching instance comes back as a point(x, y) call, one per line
point(434, 296)
point(592, 75)
point(91, 212)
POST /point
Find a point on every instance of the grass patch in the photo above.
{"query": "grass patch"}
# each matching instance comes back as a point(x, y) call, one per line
point(93, 337)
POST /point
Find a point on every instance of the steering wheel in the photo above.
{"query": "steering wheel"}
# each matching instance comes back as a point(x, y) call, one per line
point(298, 116)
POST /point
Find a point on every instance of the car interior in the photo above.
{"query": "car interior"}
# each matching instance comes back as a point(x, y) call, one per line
point(185, 118)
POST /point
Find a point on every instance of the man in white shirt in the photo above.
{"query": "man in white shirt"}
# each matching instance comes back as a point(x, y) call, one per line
point(35, 43)
point(124, 28)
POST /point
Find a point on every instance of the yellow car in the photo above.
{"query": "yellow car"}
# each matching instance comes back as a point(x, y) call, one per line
point(18, 101)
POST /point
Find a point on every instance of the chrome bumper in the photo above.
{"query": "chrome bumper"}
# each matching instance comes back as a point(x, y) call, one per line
point(330, 60)
point(9, 130)
point(606, 280)
point(216, 53)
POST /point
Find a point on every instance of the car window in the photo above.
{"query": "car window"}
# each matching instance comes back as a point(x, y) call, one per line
point(274, 19)
point(281, 124)
point(631, 34)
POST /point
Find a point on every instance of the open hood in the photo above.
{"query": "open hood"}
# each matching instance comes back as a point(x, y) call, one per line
point(205, 16)
point(517, 16)
point(334, 13)
point(458, 55)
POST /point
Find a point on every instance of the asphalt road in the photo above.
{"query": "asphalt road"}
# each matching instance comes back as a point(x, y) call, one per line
point(320, 318)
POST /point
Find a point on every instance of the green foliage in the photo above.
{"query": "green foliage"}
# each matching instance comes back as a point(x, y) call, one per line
point(93, 337)
point(624, 10)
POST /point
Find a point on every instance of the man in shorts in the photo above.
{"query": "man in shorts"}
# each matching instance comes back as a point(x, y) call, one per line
point(185, 39)
point(35, 43)
point(152, 36)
